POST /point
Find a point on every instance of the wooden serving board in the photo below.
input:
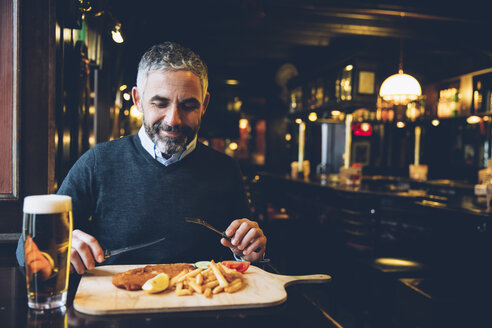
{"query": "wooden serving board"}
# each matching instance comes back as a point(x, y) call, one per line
point(97, 295)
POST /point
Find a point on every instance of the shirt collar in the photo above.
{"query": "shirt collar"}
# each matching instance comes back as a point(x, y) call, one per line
point(151, 148)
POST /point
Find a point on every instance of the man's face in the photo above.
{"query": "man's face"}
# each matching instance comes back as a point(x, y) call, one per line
point(172, 105)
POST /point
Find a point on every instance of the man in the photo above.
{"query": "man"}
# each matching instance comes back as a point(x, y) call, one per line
point(142, 187)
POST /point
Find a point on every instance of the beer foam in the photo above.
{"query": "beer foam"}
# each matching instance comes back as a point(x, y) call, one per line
point(47, 204)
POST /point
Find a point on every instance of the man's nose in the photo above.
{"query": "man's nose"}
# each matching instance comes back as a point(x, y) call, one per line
point(172, 116)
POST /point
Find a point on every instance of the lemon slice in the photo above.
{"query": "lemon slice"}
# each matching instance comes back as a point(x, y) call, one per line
point(202, 264)
point(156, 284)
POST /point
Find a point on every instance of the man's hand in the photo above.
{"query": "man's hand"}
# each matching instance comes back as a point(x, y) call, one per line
point(246, 237)
point(85, 251)
point(36, 261)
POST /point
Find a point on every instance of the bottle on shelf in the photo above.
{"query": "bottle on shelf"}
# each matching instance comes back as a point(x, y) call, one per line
point(483, 189)
point(482, 93)
point(448, 104)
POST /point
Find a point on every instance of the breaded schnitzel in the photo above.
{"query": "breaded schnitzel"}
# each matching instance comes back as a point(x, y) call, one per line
point(135, 278)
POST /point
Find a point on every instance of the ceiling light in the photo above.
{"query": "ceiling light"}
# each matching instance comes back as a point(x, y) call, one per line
point(435, 122)
point(123, 87)
point(473, 119)
point(312, 116)
point(134, 112)
point(400, 88)
point(126, 96)
point(397, 262)
point(243, 123)
point(232, 82)
point(400, 124)
point(116, 33)
point(233, 146)
point(365, 127)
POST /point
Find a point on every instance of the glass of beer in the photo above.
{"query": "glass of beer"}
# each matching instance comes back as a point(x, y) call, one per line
point(54, 318)
point(47, 236)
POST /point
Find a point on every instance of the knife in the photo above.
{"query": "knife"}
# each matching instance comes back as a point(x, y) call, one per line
point(108, 253)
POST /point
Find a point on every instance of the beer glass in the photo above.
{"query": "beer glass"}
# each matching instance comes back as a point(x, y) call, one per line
point(47, 236)
point(54, 318)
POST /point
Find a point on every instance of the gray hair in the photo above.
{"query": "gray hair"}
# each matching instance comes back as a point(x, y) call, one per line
point(170, 56)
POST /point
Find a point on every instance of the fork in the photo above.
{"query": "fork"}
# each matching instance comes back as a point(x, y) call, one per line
point(208, 225)
point(211, 227)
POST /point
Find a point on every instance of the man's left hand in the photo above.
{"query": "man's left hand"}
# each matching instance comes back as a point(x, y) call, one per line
point(246, 237)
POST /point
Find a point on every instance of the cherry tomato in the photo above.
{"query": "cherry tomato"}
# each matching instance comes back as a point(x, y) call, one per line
point(240, 266)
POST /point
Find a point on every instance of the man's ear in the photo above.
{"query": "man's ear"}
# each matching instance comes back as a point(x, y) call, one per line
point(137, 100)
point(205, 103)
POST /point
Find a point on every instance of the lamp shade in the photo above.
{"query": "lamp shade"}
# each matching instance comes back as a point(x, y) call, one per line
point(400, 88)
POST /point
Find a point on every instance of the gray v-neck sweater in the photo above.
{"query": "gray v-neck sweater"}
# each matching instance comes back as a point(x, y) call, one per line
point(122, 196)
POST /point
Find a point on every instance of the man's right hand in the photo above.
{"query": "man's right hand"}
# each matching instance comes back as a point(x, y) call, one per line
point(85, 251)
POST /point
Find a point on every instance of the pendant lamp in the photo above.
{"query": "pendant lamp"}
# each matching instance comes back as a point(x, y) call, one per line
point(400, 88)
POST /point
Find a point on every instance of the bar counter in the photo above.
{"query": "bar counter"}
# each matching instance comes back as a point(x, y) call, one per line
point(439, 226)
point(425, 221)
point(445, 195)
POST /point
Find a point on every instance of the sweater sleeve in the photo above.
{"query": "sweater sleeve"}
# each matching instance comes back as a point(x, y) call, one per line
point(80, 185)
point(19, 252)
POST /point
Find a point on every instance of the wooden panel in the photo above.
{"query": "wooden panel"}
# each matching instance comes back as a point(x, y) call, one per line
point(7, 101)
point(37, 65)
point(38, 94)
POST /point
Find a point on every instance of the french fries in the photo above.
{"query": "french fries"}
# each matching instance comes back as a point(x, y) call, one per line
point(220, 277)
point(196, 287)
point(230, 273)
point(211, 284)
point(234, 287)
point(175, 279)
point(212, 281)
point(190, 274)
point(199, 279)
point(180, 291)
point(218, 289)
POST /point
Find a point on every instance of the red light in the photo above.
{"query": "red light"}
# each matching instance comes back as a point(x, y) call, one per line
point(362, 129)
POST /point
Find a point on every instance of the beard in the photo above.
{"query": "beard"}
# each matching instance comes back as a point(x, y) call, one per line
point(169, 146)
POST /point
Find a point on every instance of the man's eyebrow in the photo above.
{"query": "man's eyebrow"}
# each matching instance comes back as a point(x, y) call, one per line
point(164, 99)
point(190, 100)
point(158, 98)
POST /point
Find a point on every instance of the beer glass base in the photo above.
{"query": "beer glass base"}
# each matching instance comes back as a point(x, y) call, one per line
point(47, 302)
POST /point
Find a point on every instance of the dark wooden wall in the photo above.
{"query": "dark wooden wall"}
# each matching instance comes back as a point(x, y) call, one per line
point(37, 103)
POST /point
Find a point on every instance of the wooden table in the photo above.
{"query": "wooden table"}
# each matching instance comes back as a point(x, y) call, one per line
point(297, 311)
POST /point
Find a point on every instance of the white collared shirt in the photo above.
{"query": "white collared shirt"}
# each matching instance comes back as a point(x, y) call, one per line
point(151, 148)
